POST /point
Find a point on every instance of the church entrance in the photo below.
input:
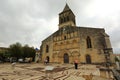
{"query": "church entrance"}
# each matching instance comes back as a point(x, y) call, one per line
point(88, 59)
point(66, 58)
point(48, 59)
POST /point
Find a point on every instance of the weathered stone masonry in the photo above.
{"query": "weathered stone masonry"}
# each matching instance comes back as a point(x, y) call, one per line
point(70, 42)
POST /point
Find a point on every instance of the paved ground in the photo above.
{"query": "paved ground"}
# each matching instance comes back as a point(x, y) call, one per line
point(37, 71)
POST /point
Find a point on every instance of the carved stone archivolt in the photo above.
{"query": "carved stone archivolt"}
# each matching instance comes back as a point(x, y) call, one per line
point(61, 53)
point(75, 53)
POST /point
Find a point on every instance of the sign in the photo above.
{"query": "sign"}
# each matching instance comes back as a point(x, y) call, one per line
point(50, 68)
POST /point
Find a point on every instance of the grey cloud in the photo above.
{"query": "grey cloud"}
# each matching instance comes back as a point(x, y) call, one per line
point(29, 21)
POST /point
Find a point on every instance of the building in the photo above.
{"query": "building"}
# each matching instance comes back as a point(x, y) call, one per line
point(72, 42)
point(37, 56)
point(2, 49)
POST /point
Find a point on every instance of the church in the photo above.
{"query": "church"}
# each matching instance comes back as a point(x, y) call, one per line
point(71, 42)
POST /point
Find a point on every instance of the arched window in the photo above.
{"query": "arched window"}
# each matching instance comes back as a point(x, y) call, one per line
point(67, 18)
point(64, 19)
point(47, 48)
point(89, 45)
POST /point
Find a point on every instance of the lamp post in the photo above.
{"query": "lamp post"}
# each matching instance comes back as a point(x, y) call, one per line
point(107, 57)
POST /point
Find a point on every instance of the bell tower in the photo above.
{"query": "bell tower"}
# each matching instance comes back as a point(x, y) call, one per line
point(66, 18)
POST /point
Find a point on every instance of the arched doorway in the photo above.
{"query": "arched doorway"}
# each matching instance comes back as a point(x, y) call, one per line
point(48, 59)
point(88, 59)
point(66, 58)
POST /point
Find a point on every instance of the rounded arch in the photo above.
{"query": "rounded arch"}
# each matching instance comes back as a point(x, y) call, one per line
point(75, 53)
point(61, 53)
point(66, 58)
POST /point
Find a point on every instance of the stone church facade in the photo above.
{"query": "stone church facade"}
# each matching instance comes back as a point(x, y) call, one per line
point(71, 42)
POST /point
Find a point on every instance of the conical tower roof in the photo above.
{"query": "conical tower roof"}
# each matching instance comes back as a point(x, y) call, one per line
point(66, 8)
point(66, 17)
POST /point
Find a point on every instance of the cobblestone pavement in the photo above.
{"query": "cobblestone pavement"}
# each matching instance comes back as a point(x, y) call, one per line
point(36, 71)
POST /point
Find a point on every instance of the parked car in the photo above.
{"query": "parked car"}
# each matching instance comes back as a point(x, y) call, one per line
point(28, 60)
point(7, 60)
point(21, 60)
point(13, 59)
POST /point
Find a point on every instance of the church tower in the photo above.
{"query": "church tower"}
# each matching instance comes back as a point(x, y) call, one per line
point(66, 18)
point(70, 42)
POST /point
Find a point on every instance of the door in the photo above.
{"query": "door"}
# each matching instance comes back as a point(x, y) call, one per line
point(66, 58)
point(48, 59)
point(88, 59)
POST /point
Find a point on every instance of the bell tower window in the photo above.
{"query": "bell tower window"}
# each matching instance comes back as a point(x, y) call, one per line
point(66, 18)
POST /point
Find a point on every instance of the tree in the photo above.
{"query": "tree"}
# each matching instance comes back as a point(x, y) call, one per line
point(7, 54)
point(32, 52)
point(4, 54)
point(1, 56)
point(16, 50)
point(25, 50)
point(28, 51)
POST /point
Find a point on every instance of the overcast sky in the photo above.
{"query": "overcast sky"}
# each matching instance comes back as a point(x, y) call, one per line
point(31, 21)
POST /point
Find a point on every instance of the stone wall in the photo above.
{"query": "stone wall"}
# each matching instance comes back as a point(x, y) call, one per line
point(72, 40)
